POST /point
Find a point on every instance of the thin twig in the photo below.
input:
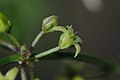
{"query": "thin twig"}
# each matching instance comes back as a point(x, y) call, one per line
point(37, 39)
point(23, 74)
point(8, 45)
point(47, 52)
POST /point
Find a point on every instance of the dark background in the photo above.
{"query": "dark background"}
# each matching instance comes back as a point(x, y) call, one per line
point(99, 28)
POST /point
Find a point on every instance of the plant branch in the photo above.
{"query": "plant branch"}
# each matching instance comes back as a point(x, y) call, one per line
point(47, 52)
point(8, 45)
point(37, 39)
point(23, 74)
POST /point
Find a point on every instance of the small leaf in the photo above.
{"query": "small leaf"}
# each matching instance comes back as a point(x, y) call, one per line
point(5, 24)
point(10, 59)
point(12, 73)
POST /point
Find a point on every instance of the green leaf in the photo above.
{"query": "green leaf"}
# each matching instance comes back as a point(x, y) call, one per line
point(10, 59)
point(5, 24)
point(12, 73)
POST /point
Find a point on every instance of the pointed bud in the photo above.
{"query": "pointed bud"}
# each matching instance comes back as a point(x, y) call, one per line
point(49, 22)
point(5, 24)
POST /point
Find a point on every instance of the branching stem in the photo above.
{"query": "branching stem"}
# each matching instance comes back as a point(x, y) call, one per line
point(47, 52)
point(23, 74)
point(8, 45)
point(37, 39)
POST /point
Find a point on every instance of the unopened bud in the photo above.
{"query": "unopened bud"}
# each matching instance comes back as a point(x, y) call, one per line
point(49, 22)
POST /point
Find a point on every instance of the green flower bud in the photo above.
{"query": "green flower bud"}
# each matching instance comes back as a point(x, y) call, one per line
point(65, 40)
point(49, 22)
point(5, 24)
point(68, 38)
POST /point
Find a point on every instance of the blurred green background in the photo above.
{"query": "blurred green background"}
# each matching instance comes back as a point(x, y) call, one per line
point(97, 23)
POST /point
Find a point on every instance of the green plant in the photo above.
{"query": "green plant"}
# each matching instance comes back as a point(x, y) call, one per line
point(25, 56)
